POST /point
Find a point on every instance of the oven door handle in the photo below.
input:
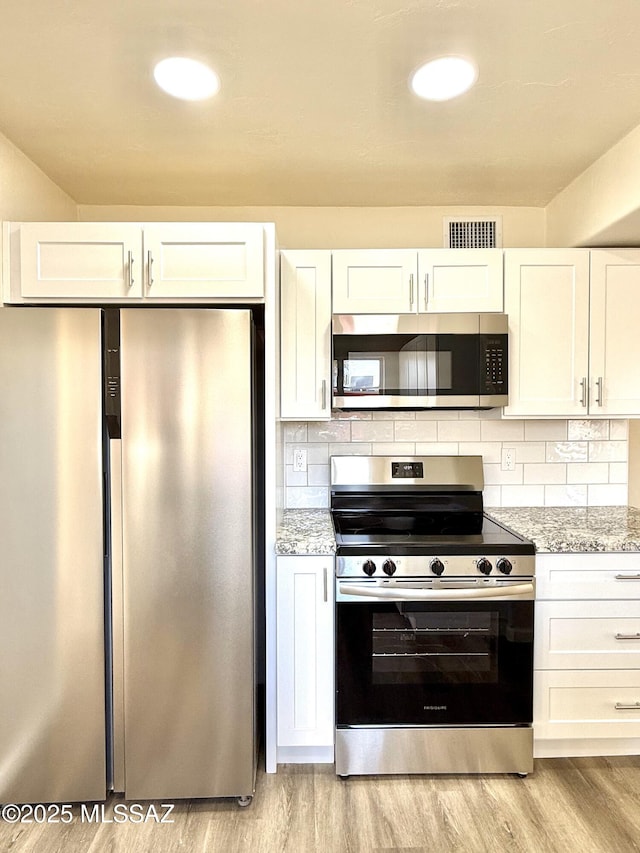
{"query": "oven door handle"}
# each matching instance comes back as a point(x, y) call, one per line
point(398, 592)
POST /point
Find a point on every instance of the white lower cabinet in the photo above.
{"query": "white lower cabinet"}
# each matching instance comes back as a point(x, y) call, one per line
point(305, 659)
point(587, 654)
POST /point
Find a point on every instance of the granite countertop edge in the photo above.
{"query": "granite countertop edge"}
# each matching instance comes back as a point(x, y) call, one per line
point(560, 530)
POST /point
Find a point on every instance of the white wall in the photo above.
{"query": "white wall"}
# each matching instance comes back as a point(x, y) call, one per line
point(26, 193)
point(601, 207)
point(558, 462)
point(340, 227)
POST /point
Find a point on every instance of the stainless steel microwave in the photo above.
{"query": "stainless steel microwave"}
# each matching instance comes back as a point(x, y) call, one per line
point(420, 361)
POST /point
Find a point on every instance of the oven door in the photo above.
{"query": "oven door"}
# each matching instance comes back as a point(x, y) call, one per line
point(434, 653)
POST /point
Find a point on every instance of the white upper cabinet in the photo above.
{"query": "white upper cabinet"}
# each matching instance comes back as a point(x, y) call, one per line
point(547, 300)
point(221, 260)
point(375, 281)
point(305, 334)
point(57, 262)
point(404, 281)
point(574, 345)
point(79, 260)
point(614, 362)
point(464, 280)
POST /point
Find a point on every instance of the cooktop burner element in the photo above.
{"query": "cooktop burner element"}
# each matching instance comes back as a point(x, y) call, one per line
point(419, 517)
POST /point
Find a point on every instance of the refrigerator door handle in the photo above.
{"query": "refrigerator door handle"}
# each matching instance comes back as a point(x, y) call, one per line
point(117, 607)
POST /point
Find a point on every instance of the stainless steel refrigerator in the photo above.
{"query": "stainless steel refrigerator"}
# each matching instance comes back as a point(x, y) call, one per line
point(127, 553)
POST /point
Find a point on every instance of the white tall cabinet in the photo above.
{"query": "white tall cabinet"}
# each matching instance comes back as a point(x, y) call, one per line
point(574, 345)
point(305, 334)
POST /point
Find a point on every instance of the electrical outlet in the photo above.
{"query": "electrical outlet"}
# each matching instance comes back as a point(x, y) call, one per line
point(508, 459)
point(300, 459)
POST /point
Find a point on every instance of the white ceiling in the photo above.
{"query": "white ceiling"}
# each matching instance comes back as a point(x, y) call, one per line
point(314, 107)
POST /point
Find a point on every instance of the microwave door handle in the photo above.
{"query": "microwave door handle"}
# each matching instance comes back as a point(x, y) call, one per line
point(398, 592)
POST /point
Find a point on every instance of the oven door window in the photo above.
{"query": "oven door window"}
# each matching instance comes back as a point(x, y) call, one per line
point(443, 663)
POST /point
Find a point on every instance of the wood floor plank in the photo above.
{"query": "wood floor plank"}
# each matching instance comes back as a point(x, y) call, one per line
point(591, 805)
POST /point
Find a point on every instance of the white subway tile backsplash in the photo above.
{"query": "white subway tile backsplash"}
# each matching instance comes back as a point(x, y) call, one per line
point(607, 451)
point(587, 472)
point(416, 431)
point(295, 431)
point(491, 495)
point(317, 475)
point(545, 430)
point(545, 473)
point(522, 495)
point(330, 431)
point(589, 430)
point(491, 451)
point(437, 448)
point(618, 430)
point(567, 451)
point(372, 431)
point(528, 451)
point(494, 475)
point(618, 472)
point(309, 497)
point(502, 430)
point(458, 430)
point(570, 495)
point(350, 449)
point(611, 495)
point(558, 462)
point(393, 448)
point(294, 478)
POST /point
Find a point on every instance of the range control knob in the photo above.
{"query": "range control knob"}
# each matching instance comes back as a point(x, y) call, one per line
point(484, 566)
point(436, 566)
point(503, 565)
point(368, 567)
point(388, 567)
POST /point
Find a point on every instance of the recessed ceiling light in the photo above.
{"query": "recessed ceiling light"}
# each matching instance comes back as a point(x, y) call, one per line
point(444, 78)
point(186, 78)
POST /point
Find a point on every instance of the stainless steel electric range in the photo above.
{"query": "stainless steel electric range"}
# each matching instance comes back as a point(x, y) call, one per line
point(434, 621)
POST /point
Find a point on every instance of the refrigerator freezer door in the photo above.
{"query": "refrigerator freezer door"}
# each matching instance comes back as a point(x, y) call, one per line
point(187, 553)
point(52, 717)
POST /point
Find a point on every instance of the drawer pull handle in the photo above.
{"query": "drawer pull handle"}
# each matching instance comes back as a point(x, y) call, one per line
point(628, 577)
point(627, 636)
point(627, 706)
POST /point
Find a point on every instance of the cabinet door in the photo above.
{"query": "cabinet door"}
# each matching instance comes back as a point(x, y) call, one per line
point(305, 669)
point(461, 280)
point(375, 281)
point(217, 260)
point(80, 260)
point(614, 340)
point(547, 300)
point(305, 334)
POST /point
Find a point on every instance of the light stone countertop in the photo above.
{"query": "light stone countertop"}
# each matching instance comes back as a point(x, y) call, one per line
point(574, 529)
point(305, 531)
point(552, 529)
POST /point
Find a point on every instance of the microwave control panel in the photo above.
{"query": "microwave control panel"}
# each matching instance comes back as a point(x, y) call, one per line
point(494, 363)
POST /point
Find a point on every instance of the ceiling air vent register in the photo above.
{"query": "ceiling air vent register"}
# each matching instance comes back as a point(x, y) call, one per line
point(473, 233)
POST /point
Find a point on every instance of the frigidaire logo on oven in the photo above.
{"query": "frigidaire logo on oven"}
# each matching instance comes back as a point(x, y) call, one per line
point(434, 708)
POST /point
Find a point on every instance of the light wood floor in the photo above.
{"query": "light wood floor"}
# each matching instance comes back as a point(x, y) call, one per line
point(566, 805)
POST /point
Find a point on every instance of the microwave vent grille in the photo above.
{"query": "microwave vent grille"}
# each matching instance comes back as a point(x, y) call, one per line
point(472, 233)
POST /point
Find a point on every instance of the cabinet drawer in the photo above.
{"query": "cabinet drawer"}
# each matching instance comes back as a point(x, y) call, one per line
point(587, 635)
point(588, 576)
point(590, 704)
